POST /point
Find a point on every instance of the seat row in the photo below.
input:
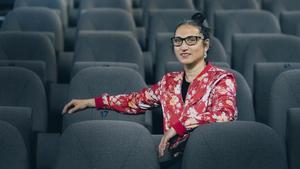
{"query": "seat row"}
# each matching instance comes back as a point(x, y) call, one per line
point(127, 145)
point(67, 7)
point(241, 21)
point(36, 52)
point(23, 101)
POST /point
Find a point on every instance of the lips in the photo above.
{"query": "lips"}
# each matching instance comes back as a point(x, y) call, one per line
point(184, 54)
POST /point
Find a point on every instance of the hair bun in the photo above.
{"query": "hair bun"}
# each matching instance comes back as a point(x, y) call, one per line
point(199, 18)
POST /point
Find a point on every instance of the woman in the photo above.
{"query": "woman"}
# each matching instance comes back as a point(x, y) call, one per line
point(199, 95)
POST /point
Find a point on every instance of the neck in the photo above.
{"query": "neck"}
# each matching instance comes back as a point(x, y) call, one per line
point(192, 70)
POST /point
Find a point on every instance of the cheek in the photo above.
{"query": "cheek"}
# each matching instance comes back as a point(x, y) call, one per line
point(198, 50)
point(176, 51)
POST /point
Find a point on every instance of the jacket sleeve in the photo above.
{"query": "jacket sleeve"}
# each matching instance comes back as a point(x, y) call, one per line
point(133, 103)
point(221, 107)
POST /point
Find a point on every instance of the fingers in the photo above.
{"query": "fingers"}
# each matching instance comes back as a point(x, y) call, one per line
point(67, 107)
point(73, 109)
point(163, 146)
point(70, 107)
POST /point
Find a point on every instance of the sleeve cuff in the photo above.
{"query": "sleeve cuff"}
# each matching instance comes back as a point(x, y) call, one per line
point(179, 128)
point(99, 102)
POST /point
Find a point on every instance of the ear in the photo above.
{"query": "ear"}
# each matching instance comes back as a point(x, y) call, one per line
point(206, 44)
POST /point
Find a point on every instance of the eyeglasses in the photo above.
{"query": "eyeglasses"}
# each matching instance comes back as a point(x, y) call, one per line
point(190, 40)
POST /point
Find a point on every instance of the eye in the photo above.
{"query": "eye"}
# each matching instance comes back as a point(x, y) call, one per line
point(191, 39)
point(177, 40)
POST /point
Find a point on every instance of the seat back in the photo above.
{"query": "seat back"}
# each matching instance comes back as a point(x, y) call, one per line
point(285, 94)
point(20, 118)
point(236, 144)
point(106, 19)
point(23, 88)
point(35, 19)
point(211, 6)
point(13, 150)
point(266, 48)
point(59, 6)
point(106, 145)
point(264, 76)
point(170, 4)
point(108, 46)
point(30, 50)
point(278, 6)
point(289, 22)
point(91, 4)
point(228, 23)
point(94, 81)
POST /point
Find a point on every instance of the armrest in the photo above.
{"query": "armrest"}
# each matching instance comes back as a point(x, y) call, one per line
point(148, 67)
point(148, 120)
point(141, 35)
point(47, 150)
point(58, 97)
point(293, 137)
point(138, 16)
point(64, 64)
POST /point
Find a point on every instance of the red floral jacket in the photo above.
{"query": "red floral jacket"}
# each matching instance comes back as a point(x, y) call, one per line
point(211, 97)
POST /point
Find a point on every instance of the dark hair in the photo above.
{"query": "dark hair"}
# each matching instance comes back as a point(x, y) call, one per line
point(198, 20)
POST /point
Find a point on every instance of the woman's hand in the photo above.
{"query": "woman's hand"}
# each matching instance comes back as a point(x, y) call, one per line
point(78, 104)
point(164, 143)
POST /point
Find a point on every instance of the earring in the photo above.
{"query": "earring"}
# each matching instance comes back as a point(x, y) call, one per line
point(205, 54)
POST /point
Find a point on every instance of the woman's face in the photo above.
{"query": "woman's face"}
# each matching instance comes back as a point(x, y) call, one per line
point(191, 50)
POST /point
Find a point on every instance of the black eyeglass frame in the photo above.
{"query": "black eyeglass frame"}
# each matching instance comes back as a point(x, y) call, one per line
point(185, 39)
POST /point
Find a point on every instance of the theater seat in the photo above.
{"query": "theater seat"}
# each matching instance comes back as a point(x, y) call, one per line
point(106, 145)
point(234, 145)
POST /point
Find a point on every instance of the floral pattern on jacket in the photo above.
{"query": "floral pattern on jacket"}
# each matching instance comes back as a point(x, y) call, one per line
point(211, 97)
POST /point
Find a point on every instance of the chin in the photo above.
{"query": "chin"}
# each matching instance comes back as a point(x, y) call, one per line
point(185, 62)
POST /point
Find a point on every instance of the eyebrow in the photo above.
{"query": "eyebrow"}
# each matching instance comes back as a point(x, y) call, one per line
point(188, 36)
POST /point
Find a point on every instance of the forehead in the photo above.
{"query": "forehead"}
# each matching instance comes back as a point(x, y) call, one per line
point(187, 30)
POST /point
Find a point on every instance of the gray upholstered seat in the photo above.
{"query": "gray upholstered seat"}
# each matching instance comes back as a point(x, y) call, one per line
point(249, 50)
point(59, 6)
point(106, 145)
point(19, 117)
point(284, 115)
point(264, 76)
point(23, 88)
point(278, 6)
point(234, 145)
point(13, 154)
point(170, 4)
point(290, 23)
point(106, 19)
point(228, 23)
point(30, 50)
point(94, 81)
point(211, 6)
point(110, 19)
point(121, 4)
point(120, 48)
point(126, 5)
point(165, 54)
point(293, 137)
point(285, 94)
point(36, 19)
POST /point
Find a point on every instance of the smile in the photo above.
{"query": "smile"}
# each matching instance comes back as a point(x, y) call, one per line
point(185, 54)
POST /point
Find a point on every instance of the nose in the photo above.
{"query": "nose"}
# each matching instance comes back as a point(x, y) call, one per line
point(184, 46)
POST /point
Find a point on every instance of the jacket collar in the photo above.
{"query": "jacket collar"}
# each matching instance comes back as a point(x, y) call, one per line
point(195, 92)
